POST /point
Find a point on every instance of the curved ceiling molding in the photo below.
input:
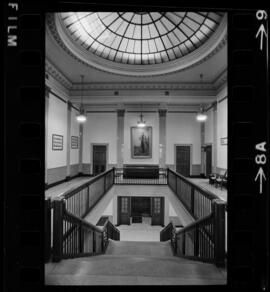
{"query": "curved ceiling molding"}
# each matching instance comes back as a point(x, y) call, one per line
point(198, 39)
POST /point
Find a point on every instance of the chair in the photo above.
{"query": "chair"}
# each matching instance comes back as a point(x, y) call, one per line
point(221, 180)
point(212, 178)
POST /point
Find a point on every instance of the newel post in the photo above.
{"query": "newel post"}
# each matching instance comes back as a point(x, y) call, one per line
point(219, 231)
point(47, 229)
point(58, 212)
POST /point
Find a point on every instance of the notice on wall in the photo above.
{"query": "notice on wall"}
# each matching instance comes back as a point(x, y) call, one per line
point(74, 142)
point(57, 142)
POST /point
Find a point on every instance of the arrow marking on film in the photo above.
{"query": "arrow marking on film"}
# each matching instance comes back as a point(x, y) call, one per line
point(261, 32)
point(261, 175)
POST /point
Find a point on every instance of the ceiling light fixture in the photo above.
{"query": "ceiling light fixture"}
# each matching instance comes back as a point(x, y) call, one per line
point(201, 116)
point(141, 122)
point(81, 118)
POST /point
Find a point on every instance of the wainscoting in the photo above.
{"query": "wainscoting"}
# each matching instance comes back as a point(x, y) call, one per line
point(56, 174)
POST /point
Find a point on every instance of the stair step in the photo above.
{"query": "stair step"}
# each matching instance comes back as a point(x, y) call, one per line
point(139, 248)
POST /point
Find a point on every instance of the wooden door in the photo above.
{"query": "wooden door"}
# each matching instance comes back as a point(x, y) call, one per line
point(158, 211)
point(208, 162)
point(123, 210)
point(99, 159)
point(183, 160)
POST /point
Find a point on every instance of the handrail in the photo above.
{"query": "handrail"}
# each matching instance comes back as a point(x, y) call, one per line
point(75, 237)
point(202, 190)
point(195, 199)
point(71, 192)
point(202, 240)
point(194, 224)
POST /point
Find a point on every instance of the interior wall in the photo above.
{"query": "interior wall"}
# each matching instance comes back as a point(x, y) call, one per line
point(130, 120)
point(182, 128)
point(222, 130)
point(100, 128)
point(74, 153)
point(209, 127)
point(57, 124)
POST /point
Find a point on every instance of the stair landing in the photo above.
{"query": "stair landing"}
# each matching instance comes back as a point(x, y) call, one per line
point(134, 263)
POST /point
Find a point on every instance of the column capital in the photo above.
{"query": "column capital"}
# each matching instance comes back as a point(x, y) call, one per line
point(69, 105)
point(162, 112)
point(120, 112)
point(47, 91)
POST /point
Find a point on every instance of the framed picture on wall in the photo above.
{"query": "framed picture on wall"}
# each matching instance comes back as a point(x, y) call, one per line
point(57, 142)
point(224, 141)
point(74, 142)
point(141, 142)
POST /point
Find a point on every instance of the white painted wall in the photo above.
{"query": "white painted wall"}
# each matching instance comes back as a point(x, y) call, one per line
point(222, 117)
point(209, 129)
point(130, 120)
point(100, 128)
point(182, 128)
point(74, 131)
point(57, 124)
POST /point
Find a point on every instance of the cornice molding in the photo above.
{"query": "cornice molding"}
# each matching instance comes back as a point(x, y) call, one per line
point(52, 70)
point(143, 86)
point(221, 80)
point(220, 37)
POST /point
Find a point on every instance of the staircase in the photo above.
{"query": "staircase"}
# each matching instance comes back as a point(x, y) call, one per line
point(134, 263)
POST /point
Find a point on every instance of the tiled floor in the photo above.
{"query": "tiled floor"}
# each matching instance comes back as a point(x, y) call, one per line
point(136, 263)
point(139, 232)
point(204, 183)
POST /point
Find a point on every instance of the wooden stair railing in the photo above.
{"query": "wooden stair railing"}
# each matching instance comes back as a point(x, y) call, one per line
point(74, 237)
point(202, 240)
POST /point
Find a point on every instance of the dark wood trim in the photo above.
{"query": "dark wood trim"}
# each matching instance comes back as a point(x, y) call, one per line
point(57, 96)
point(183, 112)
point(223, 99)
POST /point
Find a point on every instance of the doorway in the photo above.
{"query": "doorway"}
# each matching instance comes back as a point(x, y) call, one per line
point(99, 158)
point(182, 159)
point(208, 160)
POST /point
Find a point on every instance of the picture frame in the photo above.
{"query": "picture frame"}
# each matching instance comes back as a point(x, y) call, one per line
point(57, 142)
point(224, 141)
point(141, 142)
point(74, 142)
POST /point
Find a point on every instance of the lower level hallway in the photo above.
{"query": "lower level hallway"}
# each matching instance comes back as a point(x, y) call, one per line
point(134, 263)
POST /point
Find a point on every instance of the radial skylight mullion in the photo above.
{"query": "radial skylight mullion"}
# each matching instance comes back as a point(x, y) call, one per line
point(78, 19)
point(96, 38)
point(188, 37)
point(159, 34)
point(207, 16)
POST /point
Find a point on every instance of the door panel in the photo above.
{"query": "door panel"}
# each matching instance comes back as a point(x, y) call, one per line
point(99, 158)
point(208, 152)
point(183, 160)
point(158, 211)
point(123, 210)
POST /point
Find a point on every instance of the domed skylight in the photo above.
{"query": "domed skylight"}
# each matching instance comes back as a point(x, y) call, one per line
point(140, 38)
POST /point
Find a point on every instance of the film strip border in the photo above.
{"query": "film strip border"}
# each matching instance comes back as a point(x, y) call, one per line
point(248, 150)
point(24, 111)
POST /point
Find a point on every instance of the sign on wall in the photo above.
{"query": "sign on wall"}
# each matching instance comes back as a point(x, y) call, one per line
point(224, 141)
point(141, 142)
point(74, 142)
point(57, 142)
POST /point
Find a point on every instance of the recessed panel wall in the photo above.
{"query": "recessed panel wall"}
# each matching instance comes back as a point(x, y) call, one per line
point(183, 129)
point(100, 128)
point(152, 120)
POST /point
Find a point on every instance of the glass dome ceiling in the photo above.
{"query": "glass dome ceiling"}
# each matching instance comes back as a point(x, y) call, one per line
point(140, 38)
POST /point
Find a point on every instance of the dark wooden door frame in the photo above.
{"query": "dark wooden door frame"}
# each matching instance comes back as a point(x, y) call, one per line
point(119, 208)
point(191, 155)
point(92, 154)
point(205, 159)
